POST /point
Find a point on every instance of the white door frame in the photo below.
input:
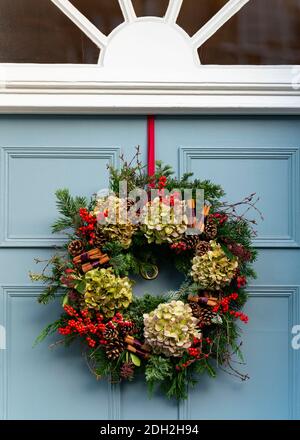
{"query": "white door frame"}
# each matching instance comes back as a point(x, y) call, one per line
point(149, 65)
point(87, 89)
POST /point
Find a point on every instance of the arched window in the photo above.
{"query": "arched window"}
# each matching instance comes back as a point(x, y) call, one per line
point(260, 32)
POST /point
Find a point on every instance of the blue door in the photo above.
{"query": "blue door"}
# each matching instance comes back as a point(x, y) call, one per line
point(244, 154)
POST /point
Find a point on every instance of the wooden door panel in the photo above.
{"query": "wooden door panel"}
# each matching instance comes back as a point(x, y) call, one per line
point(244, 154)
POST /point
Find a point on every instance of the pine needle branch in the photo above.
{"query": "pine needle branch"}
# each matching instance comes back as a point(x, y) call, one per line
point(68, 207)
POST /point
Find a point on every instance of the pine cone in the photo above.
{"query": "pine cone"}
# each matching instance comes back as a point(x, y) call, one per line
point(196, 309)
point(124, 331)
point(114, 348)
point(202, 248)
point(206, 316)
point(76, 248)
point(210, 229)
point(99, 240)
point(191, 241)
point(127, 371)
point(111, 333)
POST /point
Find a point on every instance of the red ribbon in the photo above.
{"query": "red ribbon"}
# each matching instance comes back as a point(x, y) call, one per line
point(151, 145)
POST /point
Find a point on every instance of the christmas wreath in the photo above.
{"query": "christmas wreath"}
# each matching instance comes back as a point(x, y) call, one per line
point(171, 338)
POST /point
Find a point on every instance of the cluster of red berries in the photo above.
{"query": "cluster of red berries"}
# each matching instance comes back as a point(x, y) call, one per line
point(162, 182)
point(220, 218)
point(179, 247)
point(118, 320)
point(83, 325)
point(91, 342)
point(88, 228)
point(197, 341)
point(244, 318)
point(225, 303)
point(208, 341)
point(224, 306)
point(194, 352)
point(241, 282)
point(185, 365)
point(196, 355)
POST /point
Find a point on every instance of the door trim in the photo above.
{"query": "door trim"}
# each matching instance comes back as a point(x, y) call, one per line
point(74, 89)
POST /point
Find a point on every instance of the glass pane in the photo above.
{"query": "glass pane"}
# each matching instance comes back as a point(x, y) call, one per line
point(106, 15)
point(35, 31)
point(156, 8)
point(194, 14)
point(263, 32)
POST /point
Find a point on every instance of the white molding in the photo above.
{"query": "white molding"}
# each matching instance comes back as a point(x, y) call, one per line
point(173, 11)
point(108, 154)
point(217, 21)
point(81, 22)
point(127, 10)
point(289, 155)
point(169, 80)
point(33, 88)
point(291, 294)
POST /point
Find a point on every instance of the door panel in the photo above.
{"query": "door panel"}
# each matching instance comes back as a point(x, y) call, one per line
point(244, 154)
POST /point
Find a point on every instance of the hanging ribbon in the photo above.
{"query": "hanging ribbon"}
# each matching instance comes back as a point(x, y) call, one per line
point(152, 270)
point(151, 145)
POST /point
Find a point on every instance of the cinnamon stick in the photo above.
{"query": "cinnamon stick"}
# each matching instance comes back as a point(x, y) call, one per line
point(138, 352)
point(94, 264)
point(93, 254)
point(209, 301)
point(135, 343)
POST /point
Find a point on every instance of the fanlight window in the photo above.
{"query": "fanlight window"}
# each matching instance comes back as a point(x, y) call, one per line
point(151, 33)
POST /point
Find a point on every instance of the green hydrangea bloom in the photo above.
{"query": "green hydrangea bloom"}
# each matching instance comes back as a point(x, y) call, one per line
point(162, 223)
point(116, 225)
point(214, 269)
point(170, 328)
point(106, 292)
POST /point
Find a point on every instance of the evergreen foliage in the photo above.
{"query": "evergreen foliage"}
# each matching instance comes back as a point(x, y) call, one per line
point(212, 192)
point(68, 207)
point(157, 370)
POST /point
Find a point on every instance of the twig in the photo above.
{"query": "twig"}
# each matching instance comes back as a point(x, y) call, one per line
point(250, 202)
point(55, 344)
point(92, 370)
point(235, 373)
